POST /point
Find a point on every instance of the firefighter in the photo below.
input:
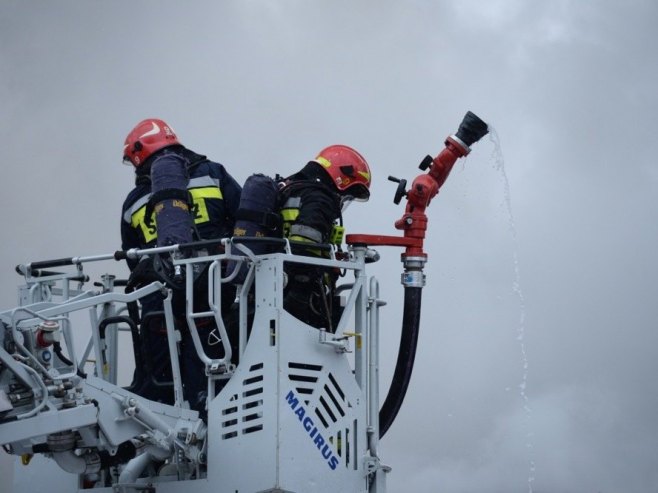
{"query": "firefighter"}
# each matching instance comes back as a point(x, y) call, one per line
point(207, 204)
point(313, 200)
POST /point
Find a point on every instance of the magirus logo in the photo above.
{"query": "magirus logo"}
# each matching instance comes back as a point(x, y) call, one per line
point(307, 422)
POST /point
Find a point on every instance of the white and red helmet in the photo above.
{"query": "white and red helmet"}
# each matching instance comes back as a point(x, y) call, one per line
point(147, 137)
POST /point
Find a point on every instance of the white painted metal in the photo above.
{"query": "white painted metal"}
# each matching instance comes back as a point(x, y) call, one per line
point(298, 414)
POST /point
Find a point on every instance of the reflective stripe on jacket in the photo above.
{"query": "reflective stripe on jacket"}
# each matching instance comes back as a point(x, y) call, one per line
point(309, 211)
point(215, 198)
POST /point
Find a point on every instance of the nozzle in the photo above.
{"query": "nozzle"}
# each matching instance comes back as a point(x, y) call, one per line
point(471, 129)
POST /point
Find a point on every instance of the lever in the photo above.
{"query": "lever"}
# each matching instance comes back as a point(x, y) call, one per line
point(401, 190)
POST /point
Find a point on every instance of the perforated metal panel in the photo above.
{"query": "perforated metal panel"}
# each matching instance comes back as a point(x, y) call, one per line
point(244, 414)
point(326, 400)
point(293, 409)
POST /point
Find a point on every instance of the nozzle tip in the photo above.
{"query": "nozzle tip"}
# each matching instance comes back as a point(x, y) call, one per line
point(471, 129)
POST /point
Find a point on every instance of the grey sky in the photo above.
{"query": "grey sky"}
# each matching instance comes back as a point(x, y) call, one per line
point(570, 88)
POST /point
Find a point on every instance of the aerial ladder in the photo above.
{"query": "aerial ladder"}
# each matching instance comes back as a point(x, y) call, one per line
point(299, 412)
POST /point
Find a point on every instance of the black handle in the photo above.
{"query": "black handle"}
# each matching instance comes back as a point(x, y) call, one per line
point(58, 262)
point(401, 190)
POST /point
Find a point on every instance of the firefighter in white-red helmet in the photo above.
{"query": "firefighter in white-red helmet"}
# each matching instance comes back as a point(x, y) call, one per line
point(202, 198)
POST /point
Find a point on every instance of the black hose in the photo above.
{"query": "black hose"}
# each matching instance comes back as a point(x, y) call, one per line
point(405, 362)
point(133, 314)
point(125, 451)
point(57, 349)
point(134, 332)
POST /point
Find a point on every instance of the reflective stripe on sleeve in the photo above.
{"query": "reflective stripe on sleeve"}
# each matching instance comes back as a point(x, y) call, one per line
point(311, 234)
point(128, 214)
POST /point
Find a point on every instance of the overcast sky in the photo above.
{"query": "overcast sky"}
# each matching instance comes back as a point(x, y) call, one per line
point(537, 358)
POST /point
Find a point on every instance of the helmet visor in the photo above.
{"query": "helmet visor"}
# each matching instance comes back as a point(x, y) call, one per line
point(359, 192)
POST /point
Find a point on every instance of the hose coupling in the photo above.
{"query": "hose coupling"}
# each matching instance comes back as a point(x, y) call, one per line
point(413, 275)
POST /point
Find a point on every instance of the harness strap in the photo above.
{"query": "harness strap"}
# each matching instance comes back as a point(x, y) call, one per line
point(165, 194)
point(269, 220)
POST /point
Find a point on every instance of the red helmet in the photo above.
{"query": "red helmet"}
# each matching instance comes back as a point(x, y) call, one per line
point(148, 136)
point(348, 170)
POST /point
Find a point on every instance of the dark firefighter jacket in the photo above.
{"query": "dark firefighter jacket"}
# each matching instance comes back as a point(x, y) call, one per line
point(311, 206)
point(215, 195)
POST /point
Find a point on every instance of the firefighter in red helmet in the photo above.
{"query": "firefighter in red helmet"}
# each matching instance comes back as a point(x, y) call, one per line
point(313, 200)
point(202, 198)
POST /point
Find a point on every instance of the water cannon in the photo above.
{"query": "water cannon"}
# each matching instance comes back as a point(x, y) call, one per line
point(470, 131)
point(425, 187)
point(413, 224)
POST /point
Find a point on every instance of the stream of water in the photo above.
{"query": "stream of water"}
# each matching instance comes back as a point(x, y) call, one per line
point(499, 165)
